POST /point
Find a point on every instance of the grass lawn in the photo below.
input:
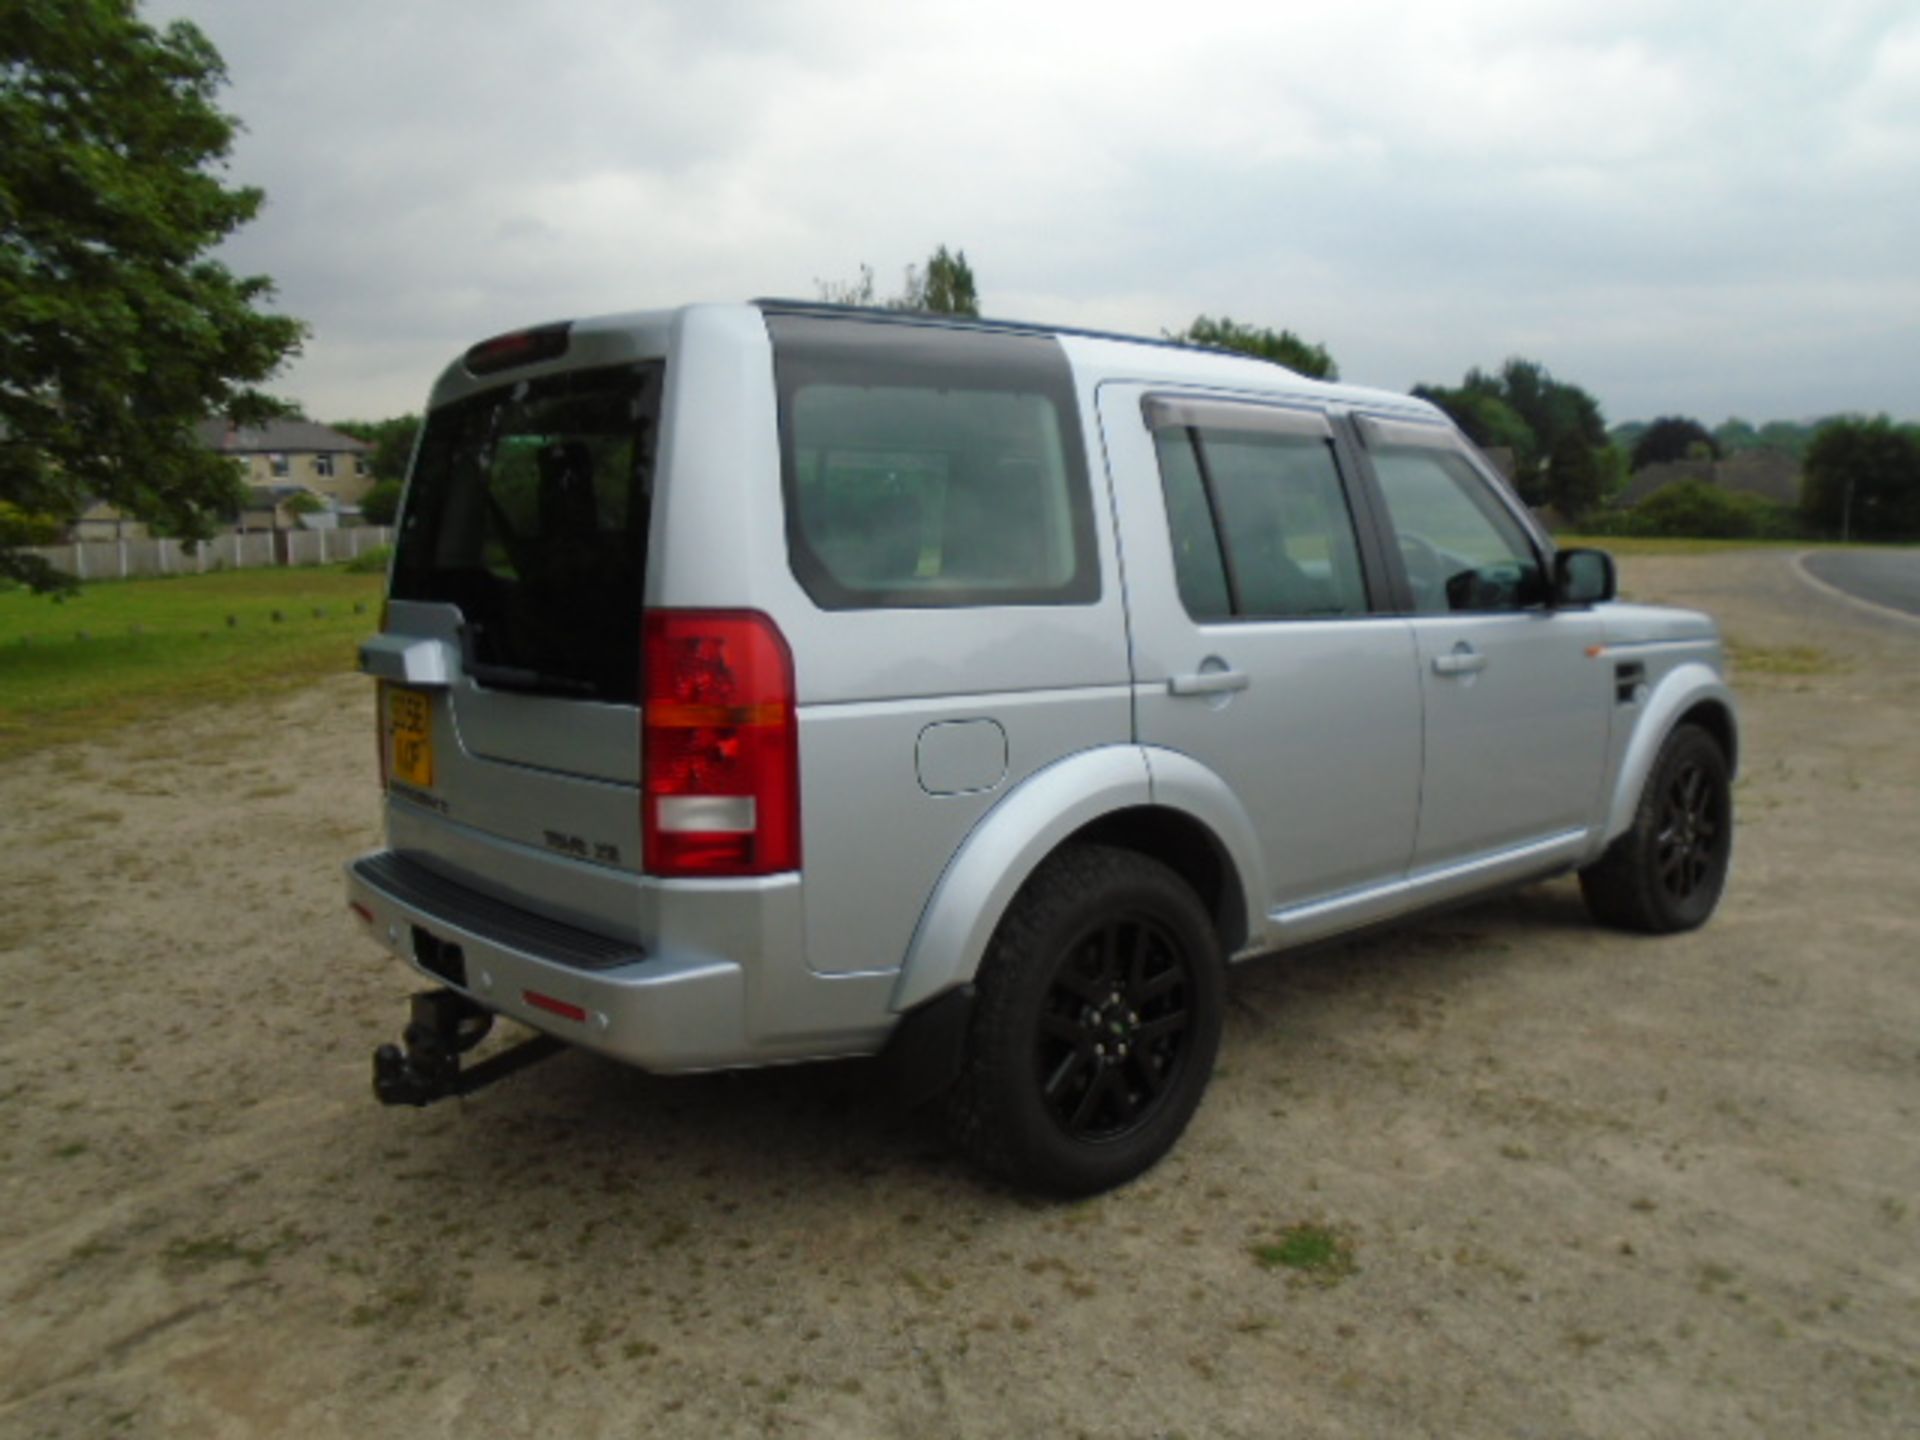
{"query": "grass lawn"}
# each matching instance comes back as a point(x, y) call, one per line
point(133, 650)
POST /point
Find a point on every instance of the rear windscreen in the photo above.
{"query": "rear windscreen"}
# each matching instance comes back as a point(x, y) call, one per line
point(528, 509)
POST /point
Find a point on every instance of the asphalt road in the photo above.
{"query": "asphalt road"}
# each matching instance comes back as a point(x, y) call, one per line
point(1886, 577)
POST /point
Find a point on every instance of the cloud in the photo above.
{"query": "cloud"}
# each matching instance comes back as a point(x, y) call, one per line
point(1706, 208)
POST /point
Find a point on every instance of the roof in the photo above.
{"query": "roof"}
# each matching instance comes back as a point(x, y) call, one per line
point(276, 437)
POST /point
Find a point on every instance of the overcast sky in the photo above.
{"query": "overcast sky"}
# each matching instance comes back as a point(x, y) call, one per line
point(1706, 208)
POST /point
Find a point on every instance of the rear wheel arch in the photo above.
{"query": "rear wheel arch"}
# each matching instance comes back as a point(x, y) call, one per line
point(1191, 850)
point(1098, 797)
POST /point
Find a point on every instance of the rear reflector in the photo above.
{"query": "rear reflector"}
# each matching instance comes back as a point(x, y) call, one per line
point(520, 347)
point(720, 765)
point(552, 1006)
point(362, 911)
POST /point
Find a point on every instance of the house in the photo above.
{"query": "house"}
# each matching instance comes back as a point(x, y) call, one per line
point(102, 521)
point(279, 507)
point(298, 453)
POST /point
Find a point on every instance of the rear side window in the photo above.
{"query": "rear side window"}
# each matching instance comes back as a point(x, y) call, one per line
point(528, 509)
point(930, 466)
point(1259, 525)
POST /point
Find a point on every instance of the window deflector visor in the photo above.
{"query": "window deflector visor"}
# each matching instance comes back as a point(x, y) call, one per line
point(1379, 433)
point(1166, 412)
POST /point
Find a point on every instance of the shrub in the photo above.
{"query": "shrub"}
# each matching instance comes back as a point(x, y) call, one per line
point(370, 562)
point(1694, 509)
point(380, 504)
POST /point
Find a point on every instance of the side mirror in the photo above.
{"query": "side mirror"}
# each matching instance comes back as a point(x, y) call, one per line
point(1583, 577)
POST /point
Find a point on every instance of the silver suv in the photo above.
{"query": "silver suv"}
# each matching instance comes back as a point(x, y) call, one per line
point(773, 682)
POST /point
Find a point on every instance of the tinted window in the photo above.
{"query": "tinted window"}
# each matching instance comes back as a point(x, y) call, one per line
point(1461, 549)
point(928, 466)
point(1197, 564)
point(528, 509)
point(1289, 545)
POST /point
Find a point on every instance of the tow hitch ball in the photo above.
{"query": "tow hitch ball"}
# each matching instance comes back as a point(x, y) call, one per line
point(443, 1026)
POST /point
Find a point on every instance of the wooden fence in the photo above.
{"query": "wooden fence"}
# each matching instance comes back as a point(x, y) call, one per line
point(120, 559)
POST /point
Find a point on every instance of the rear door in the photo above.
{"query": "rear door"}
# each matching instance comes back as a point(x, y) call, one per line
point(1517, 699)
point(522, 552)
point(1260, 648)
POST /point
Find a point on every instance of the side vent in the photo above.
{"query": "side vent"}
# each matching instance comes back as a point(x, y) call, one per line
point(1627, 680)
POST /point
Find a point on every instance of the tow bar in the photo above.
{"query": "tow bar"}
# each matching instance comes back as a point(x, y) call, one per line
point(442, 1026)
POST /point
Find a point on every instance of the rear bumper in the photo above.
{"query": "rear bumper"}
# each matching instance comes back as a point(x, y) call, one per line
point(677, 1009)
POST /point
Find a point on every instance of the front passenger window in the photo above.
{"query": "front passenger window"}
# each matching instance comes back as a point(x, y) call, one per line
point(1459, 546)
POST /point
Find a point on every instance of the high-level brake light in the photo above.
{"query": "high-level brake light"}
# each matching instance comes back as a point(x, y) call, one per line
point(519, 347)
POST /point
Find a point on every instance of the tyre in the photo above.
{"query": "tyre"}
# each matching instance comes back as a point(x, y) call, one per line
point(1095, 1025)
point(1667, 871)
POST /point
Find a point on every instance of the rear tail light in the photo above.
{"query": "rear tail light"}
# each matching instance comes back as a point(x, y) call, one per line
point(720, 761)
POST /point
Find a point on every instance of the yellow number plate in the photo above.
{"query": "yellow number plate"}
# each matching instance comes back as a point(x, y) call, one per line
point(410, 723)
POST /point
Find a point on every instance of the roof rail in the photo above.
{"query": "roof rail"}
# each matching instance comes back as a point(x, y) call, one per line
point(936, 320)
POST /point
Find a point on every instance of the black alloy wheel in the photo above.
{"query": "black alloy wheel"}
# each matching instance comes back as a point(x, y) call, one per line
point(1096, 1019)
point(1114, 1028)
point(1692, 822)
point(1667, 871)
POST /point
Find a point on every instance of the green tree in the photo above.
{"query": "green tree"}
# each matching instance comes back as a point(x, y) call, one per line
point(1283, 347)
point(1733, 435)
point(858, 291)
point(1790, 438)
point(945, 287)
point(117, 332)
point(392, 442)
point(1673, 437)
point(1627, 433)
point(1863, 480)
point(1563, 467)
point(1489, 422)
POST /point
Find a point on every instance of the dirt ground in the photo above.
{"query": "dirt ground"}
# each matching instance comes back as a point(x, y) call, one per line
point(1590, 1185)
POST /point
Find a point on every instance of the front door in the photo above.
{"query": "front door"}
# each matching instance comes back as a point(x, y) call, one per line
point(1518, 695)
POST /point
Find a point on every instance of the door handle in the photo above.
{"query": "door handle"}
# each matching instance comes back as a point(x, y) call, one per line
point(1463, 661)
point(1209, 682)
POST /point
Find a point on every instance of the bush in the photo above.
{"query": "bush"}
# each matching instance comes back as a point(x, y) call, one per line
point(380, 504)
point(370, 562)
point(1694, 509)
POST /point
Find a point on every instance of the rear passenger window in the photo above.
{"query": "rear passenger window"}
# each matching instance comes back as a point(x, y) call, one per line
point(1259, 525)
point(931, 466)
